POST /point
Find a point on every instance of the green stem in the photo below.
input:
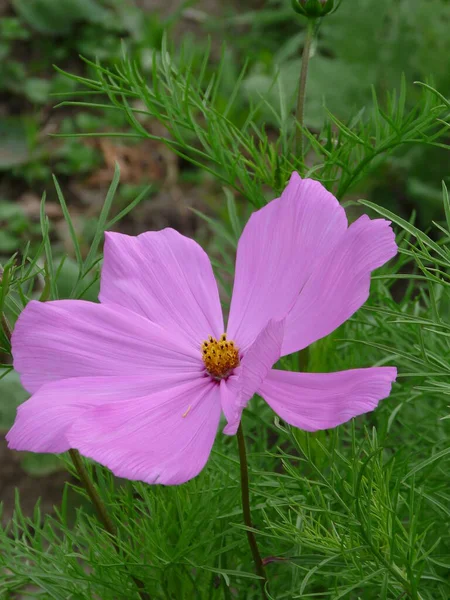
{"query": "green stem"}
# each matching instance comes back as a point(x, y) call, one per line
point(102, 512)
point(302, 87)
point(245, 492)
point(6, 326)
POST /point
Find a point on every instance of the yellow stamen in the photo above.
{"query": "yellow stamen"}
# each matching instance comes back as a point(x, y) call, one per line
point(185, 414)
point(220, 356)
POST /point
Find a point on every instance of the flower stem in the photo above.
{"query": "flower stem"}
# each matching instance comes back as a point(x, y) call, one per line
point(259, 567)
point(302, 87)
point(102, 512)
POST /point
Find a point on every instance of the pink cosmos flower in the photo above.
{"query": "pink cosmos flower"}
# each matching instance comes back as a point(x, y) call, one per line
point(139, 381)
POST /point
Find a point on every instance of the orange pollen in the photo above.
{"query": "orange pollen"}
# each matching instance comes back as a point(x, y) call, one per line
point(220, 356)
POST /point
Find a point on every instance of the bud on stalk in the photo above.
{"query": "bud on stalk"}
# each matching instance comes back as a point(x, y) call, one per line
point(315, 8)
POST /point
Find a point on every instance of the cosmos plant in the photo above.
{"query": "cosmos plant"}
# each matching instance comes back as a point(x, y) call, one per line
point(139, 381)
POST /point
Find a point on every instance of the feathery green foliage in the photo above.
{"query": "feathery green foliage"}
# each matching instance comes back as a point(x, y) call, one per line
point(361, 511)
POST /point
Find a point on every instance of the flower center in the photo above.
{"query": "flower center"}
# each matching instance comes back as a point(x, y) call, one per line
point(220, 356)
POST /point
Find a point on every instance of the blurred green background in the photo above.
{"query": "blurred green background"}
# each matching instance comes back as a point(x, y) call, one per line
point(365, 43)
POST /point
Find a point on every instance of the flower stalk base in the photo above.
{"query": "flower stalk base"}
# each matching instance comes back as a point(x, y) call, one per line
point(245, 492)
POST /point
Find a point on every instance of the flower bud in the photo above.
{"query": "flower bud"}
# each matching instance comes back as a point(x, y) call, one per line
point(315, 8)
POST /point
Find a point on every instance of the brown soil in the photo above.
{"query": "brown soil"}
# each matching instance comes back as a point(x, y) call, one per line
point(12, 477)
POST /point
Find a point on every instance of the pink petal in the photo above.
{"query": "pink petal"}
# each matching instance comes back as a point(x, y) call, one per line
point(43, 421)
point(340, 283)
point(313, 401)
point(165, 437)
point(74, 338)
point(277, 253)
point(257, 361)
point(165, 277)
point(230, 400)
